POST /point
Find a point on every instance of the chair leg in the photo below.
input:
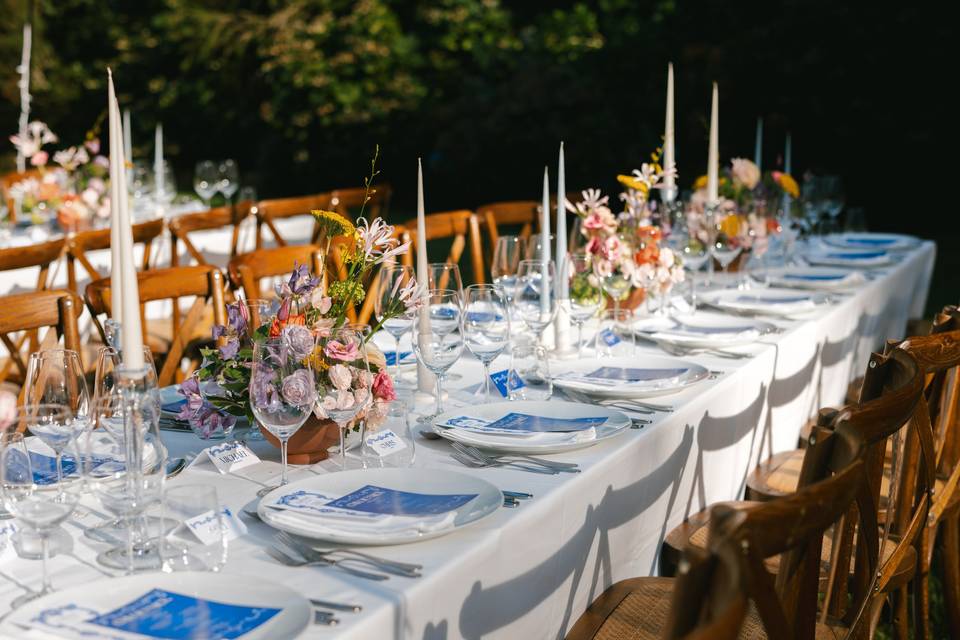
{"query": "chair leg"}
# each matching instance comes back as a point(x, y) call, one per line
point(950, 539)
point(901, 621)
point(921, 605)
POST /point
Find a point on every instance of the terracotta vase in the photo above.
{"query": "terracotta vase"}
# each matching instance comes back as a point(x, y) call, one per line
point(633, 300)
point(310, 443)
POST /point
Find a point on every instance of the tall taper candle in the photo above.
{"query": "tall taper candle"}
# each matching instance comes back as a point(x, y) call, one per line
point(669, 191)
point(158, 177)
point(127, 137)
point(545, 242)
point(131, 332)
point(758, 145)
point(561, 325)
point(713, 156)
point(788, 154)
point(426, 381)
point(116, 273)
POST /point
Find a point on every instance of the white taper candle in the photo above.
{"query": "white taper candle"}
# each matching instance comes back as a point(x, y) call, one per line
point(426, 380)
point(669, 191)
point(758, 145)
point(713, 155)
point(158, 175)
point(127, 137)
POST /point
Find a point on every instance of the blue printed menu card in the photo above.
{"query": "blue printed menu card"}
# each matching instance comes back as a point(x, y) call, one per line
point(815, 276)
point(373, 499)
point(870, 241)
point(174, 616)
point(626, 374)
point(859, 255)
point(543, 424)
point(45, 467)
point(391, 357)
point(781, 300)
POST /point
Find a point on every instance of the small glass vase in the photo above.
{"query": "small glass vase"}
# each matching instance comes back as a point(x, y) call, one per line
point(212, 389)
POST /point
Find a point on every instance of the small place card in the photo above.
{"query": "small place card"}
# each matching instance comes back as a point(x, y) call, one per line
point(501, 379)
point(390, 357)
point(609, 337)
point(385, 443)
point(204, 526)
point(231, 456)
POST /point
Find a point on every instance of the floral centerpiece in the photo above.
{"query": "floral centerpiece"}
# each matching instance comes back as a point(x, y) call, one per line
point(74, 187)
point(625, 248)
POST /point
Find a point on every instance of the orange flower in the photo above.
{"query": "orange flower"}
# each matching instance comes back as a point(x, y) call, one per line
point(730, 225)
point(277, 327)
point(788, 184)
point(700, 183)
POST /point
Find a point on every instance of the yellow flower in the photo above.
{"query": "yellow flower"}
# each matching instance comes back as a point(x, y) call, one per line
point(333, 224)
point(700, 183)
point(730, 225)
point(788, 184)
point(632, 182)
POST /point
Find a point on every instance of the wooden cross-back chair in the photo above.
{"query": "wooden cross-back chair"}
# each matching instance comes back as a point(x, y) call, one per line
point(348, 202)
point(460, 226)
point(40, 255)
point(788, 529)
point(78, 245)
point(218, 218)
point(27, 313)
point(247, 270)
point(517, 213)
point(203, 281)
point(269, 211)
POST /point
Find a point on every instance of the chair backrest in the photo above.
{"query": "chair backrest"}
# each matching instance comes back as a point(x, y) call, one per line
point(248, 269)
point(518, 213)
point(27, 313)
point(269, 211)
point(78, 245)
point(347, 202)
point(203, 281)
point(217, 218)
point(460, 226)
point(35, 255)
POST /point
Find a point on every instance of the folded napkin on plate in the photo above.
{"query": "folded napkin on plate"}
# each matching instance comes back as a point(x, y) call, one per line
point(482, 439)
point(606, 377)
point(856, 258)
point(817, 280)
point(781, 303)
point(523, 424)
point(672, 331)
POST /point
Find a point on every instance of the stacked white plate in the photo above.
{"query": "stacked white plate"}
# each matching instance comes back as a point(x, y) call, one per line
point(629, 378)
point(883, 241)
point(819, 278)
point(702, 330)
point(827, 256)
point(771, 302)
point(303, 508)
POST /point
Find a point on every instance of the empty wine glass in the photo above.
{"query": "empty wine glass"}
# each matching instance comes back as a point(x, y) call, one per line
point(141, 182)
point(726, 243)
point(586, 294)
point(228, 178)
point(282, 390)
point(438, 337)
point(443, 275)
point(109, 360)
point(506, 261)
point(833, 199)
point(486, 326)
point(166, 185)
point(536, 299)
point(343, 380)
point(206, 180)
point(55, 377)
point(692, 252)
point(535, 247)
point(392, 279)
point(40, 501)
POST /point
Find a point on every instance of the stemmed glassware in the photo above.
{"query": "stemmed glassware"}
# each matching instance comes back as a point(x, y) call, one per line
point(507, 255)
point(535, 246)
point(691, 250)
point(282, 390)
point(168, 192)
point(56, 376)
point(180, 550)
point(586, 294)
point(393, 278)
point(536, 299)
point(486, 326)
point(228, 178)
point(439, 344)
point(343, 382)
point(444, 275)
point(726, 246)
point(39, 501)
point(206, 180)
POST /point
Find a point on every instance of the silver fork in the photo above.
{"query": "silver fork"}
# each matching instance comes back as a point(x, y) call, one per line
point(284, 555)
point(579, 396)
point(675, 350)
point(474, 452)
point(468, 461)
point(391, 566)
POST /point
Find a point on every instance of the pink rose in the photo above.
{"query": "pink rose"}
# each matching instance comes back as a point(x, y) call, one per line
point(323, 327)
point(336, 350)
point(593, 222)
point(319, 301)
point(8, 409)
point(345, 400)
point(745, 172)
point(383, 387)
point(361, 397)
point(340, 376)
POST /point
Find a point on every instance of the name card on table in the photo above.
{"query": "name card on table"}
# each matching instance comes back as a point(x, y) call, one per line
point(231, 456)
point(205, 526)
point(501, 380)
point(390, 357)
point(609, 337)
point(385, 443)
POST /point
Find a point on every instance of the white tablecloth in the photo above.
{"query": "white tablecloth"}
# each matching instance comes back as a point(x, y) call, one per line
point(529, 572)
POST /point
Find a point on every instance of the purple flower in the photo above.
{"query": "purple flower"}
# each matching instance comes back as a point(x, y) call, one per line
point(203, 417)
point(237, 316)
point(262, 392)
point(219, 331)
point(229, 350)
point(299, 339)
point(297, 388)
point(301, 280)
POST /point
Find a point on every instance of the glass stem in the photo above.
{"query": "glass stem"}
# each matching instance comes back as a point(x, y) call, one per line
point(439, 394)
point(693, 292)
point(283, 461)
point(45, 586)
point(343, 445)
point(710, 268)
point(131, 532)
point(396, 359)
point(486, 381)
point(580, 339)
point(59, 469)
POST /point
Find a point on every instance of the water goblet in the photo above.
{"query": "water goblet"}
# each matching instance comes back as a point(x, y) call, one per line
point(444, 275)
point(506, 262)
point(536, 300)
point(228, 178)
point(206, 180)
point(395, 320)
point(438, 337)
point(535, 247)
point(188, 508)
point(586, 294)
point(486, 326)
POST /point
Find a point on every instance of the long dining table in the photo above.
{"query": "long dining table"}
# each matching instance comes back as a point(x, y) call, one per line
point(530, 571)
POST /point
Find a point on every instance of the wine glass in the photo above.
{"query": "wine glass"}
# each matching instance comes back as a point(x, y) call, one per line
point(166, 185)
point(691, 250)
point(586, 294)
point(56, 376)
point(486, 326)
point(40, 501)
point(282, 390)
point(343, 382)
point(438, 337)
point(536, 300)
point(506, 261)
point(141, 183)
point(833, 199)
point(391, 279)
point(109, 360)
point(726, 244)
point(616, 285)
point(443, 275)
point(180, 550)
point(206, 180)
point(228, 178)
point(535, 246)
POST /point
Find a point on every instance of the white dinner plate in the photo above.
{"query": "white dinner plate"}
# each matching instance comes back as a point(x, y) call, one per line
point(616, 423)
point(702, 330)
point(826, 256)
point(818, 278)
point(771, 302)
point(109, 594)
point(663, 376)
point(864, 240)
point(414, 480)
